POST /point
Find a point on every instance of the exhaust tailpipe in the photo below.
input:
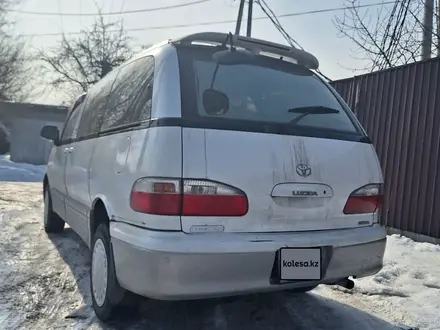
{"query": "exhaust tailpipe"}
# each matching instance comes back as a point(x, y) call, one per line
point(346, 283)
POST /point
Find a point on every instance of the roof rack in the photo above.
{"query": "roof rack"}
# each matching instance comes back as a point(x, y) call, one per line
point(256, 46)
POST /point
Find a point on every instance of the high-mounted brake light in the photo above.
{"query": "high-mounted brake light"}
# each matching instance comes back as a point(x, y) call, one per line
point(367, 199)
point(187, 197)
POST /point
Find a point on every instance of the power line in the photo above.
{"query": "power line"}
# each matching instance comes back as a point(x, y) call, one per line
point(215, 22)
point(108, 13)
point(280, 28)
point(277, 23)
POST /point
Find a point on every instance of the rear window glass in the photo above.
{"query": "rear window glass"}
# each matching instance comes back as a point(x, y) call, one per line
point(267, 91)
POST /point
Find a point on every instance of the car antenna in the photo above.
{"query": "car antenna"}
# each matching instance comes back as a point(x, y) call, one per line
point(229, 37)
point(232, 48)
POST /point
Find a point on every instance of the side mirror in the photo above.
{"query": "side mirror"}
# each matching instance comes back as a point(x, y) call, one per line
point(215, 102)
point(50, 132)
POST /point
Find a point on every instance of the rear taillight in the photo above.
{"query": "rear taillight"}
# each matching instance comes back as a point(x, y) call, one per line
point(187, 197)
point(207, 198)
point(367, 199)
point(156, 196)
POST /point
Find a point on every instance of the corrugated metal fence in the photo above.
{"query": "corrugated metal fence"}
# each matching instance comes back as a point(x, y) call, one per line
point(400, 110)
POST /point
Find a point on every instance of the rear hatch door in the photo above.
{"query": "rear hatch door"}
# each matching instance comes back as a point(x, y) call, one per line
point(286, 140)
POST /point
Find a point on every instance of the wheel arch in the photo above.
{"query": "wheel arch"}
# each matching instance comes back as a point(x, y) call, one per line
point(101, 212)
point(45, 183)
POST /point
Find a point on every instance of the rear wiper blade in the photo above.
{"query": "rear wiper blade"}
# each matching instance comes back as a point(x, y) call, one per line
point(316, 110)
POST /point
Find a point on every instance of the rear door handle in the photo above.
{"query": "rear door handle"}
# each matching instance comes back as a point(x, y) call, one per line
point(66, 150)
point(71, 150)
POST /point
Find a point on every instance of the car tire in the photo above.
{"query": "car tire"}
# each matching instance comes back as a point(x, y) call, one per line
point(52, 222)
point(108, 297)
point(303, 290)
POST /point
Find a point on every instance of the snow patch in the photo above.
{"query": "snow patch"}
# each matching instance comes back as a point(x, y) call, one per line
point(20, 172)
point(432, 286)
point(408, 284)
point(383, 291)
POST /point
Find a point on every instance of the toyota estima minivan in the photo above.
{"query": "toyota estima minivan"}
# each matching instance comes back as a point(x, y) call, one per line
point(215, 165)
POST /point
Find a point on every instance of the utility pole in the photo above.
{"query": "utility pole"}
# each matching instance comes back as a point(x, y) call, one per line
point(438, 28)
point(427, 29)
point(249, 22)
point(240, 18)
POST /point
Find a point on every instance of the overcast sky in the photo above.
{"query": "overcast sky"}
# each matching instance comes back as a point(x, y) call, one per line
point(315, 32)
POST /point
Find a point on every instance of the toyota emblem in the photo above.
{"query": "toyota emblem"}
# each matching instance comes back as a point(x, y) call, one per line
point(303, 170)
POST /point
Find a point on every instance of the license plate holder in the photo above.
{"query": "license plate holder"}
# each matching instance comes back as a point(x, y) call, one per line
point(300, 264)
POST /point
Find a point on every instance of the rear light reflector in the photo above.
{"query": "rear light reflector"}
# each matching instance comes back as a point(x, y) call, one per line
point(367, 199)
point(187, 197)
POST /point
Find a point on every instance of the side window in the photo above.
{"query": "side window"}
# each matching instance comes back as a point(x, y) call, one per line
point(95, 105)
point(130, 100)
point(71, 123)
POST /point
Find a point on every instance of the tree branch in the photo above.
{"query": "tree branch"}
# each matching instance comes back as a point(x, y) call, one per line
point(386, 38)
point(84, 60)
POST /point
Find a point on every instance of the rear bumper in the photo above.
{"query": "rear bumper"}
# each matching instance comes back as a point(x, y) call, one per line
point(175, 265)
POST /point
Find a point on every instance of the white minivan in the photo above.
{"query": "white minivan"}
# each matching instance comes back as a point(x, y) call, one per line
point(215, 165)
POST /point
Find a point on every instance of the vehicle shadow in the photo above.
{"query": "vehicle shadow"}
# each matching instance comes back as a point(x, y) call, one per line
point(279, 310)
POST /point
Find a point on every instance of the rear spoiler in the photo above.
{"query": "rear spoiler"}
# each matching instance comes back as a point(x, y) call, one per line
point(256, 46)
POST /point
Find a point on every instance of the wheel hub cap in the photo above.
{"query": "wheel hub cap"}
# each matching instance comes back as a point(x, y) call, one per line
point(99, 272)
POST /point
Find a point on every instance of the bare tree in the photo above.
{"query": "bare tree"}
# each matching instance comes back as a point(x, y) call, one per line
point(13, 59)
point(437, 19)
point(386, 37)
point(78, 62)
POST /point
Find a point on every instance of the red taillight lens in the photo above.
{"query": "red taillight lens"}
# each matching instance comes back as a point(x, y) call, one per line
point(195, 198)
point(156, 196)
point(207, 198)
point(367, 199)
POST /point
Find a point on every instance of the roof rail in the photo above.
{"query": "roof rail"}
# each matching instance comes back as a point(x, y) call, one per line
point(256, 46)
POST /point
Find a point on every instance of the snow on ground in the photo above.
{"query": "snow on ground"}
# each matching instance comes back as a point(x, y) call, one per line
point(407, 289)
point(44, 283)
point(16, 172)
point(409, 284)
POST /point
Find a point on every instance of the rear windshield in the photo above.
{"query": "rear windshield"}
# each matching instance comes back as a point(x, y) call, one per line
point(267, 92)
